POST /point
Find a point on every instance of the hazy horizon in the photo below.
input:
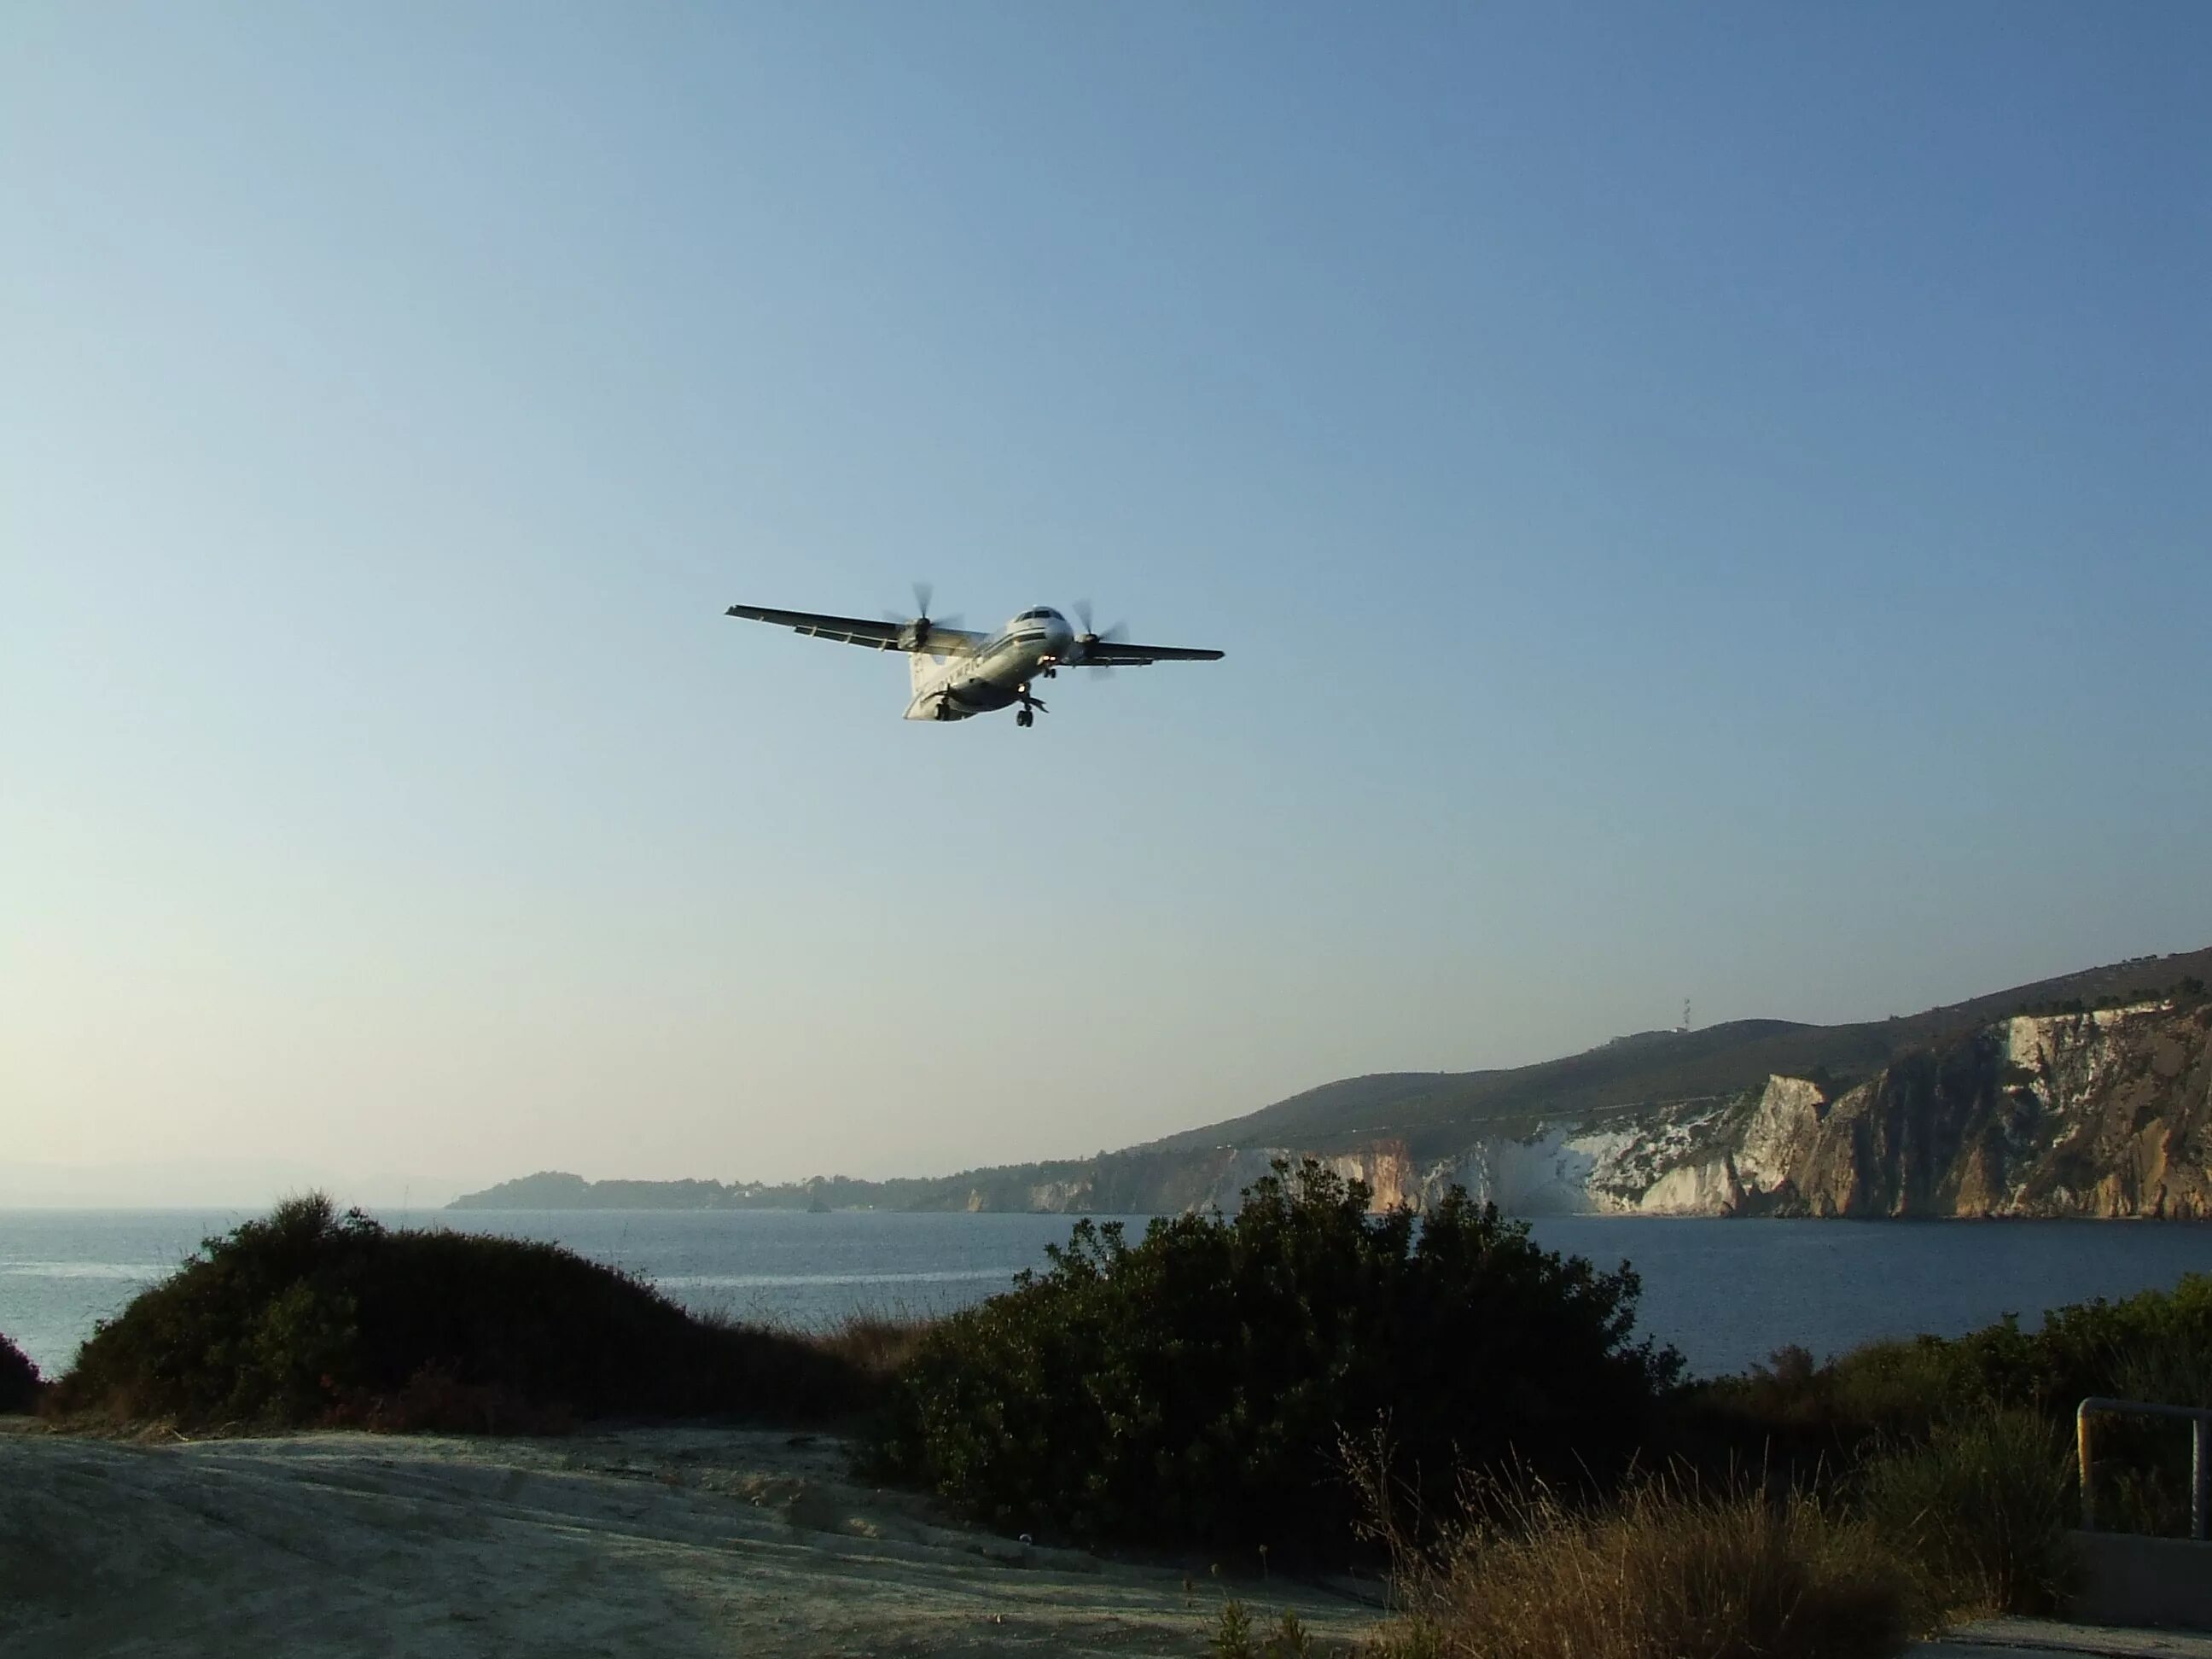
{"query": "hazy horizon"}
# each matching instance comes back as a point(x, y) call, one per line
point(253, 1184)
point(1708, 505)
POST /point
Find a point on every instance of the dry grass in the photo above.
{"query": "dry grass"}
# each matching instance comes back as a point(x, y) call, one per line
point(1665, 1571)
point(871, 1344)
point(875, 1345)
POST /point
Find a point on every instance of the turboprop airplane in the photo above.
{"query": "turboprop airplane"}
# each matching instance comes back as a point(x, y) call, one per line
point(957, 673)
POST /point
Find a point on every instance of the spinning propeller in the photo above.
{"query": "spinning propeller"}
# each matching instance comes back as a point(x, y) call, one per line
point(1090, 636)
point(919, 627)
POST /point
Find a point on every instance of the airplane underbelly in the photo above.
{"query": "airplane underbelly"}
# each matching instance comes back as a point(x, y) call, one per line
point(981, 696)
point(961, 699)
point(982, 689)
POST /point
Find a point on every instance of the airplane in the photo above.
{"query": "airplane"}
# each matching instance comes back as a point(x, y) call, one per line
point(957, 673)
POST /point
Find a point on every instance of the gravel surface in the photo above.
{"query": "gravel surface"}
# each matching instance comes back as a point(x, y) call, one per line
point(660, 1542)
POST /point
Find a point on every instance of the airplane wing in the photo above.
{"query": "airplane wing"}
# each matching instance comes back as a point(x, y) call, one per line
point(1114, 654)
point(853, 630)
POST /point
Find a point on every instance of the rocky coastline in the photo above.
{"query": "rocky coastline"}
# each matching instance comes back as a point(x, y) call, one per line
point(2101, 1114)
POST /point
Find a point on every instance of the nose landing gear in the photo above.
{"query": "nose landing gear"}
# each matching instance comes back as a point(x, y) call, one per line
point(1030, 708)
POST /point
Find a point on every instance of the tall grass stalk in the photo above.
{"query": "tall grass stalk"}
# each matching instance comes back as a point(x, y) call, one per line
point(877, 1345)
point(1666, 1571)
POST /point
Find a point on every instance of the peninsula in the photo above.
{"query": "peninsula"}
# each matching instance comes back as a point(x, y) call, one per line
point(2085, 1096)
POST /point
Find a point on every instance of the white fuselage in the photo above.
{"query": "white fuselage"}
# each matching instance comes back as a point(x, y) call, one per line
point(997, 674)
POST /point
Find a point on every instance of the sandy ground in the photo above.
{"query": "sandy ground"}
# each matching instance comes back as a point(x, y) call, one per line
point(666, 1542)
point(2047, 1638)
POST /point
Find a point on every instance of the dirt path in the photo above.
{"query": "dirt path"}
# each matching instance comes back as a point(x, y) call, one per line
point(666, 1542)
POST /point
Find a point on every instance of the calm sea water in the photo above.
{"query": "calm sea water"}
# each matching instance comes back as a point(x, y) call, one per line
point(1725, 1292)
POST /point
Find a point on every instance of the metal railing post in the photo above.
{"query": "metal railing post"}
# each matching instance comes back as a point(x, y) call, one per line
point(2200, 1472)
point(2082, 1452)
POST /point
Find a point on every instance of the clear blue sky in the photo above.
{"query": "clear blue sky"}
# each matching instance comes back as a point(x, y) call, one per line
point(1706, 502)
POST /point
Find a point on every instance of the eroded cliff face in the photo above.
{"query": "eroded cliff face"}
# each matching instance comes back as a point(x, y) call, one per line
point(2104, 1114)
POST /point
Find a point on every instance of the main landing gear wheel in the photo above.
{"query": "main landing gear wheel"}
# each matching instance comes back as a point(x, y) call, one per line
point(1022, 717)
point(1030, 708)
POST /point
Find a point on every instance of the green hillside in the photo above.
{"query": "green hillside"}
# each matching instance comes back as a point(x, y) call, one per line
point(1432, 1111)
point(1435, 1114)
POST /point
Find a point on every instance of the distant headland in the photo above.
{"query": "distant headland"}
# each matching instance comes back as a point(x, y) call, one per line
point(2085, 1096)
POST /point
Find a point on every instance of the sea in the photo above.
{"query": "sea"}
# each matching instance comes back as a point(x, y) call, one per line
point(1727, 1293)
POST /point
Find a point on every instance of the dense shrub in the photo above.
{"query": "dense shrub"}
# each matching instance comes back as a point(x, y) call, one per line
point(2159, 1342)
point(310, 1316)
point(435, 1400)
point(1667, 1571)
point(1194, 1386)
point(1898, 1388)
point(2156, 1344)
point(1981, 1509)
point(19, 1385)
point(1948, 1397)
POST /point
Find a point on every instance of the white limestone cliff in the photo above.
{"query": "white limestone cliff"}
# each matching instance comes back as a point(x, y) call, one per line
point(2104, 1113)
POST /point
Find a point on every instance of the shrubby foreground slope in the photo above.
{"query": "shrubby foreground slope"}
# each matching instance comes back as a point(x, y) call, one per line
point(1282, 1381)
point(1198, 1386)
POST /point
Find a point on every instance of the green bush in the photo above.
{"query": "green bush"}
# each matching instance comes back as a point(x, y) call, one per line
point(1981, 1509)
point(1891, 1387)
point(1909, 1387)
point(1923, 1410)
point(2156, 1344)
point(1238, 1635)
point(2156, 1341)
point(309, 1315)
point(20, 1386)
point(1196, 1386)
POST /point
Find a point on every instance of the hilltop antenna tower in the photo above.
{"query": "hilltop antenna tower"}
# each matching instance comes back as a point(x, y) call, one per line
point(1683, 1028)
